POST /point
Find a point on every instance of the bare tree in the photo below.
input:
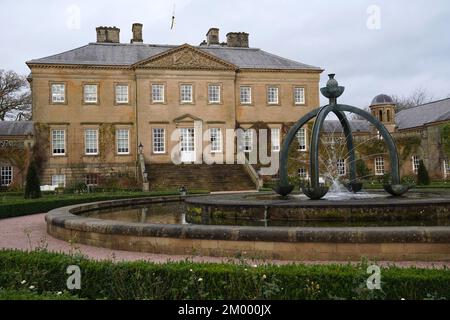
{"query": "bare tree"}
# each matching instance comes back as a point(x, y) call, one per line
point(15, 96)
point(416, 98)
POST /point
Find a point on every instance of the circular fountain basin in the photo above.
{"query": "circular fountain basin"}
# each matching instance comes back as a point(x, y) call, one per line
point(165, 225)
point(337, 206)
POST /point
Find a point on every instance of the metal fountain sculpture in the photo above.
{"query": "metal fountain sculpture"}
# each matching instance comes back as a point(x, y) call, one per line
point(316, 190)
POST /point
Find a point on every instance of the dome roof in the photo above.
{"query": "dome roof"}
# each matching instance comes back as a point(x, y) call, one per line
point(382, 99)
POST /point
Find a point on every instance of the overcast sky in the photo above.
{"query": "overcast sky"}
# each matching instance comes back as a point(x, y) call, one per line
point(392, 46)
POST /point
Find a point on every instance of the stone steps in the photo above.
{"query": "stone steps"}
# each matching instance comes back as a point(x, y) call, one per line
point(216, 177)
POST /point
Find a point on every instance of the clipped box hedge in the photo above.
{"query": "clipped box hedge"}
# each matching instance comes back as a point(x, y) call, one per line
point(15, 206)
point(185, 280)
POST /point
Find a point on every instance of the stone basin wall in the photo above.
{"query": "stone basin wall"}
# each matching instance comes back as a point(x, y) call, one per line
point(205, 207)
point(290, 243)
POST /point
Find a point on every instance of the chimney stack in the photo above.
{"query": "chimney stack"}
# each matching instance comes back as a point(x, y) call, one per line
point(212, 37)
point(137, 33)
point(108, 34)
point(237, 39)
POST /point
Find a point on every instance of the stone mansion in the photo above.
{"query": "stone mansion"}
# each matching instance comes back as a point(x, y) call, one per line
point(100, 102)
point(110, 108)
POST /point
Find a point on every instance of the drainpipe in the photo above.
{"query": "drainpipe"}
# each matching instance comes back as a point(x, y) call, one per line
point(136, 124)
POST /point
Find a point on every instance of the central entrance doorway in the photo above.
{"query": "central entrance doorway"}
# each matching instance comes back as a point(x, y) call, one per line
point(187, 142)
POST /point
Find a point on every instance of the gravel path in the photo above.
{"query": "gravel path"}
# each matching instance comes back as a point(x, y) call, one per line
point(29, 232)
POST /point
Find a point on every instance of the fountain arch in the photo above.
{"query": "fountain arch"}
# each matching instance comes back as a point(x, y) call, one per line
point(316, 191)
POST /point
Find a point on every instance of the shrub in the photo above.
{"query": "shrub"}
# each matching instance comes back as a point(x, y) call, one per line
point(362, 171)
point(269, 183)
point(33, 185)
point(76, 187)
point(386, 178)
point(409, 180)
point(422, 174)
point(186, 280)
point(29, 294)
point(118, 182)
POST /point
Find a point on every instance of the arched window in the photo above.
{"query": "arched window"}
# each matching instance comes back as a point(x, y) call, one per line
point(388, 115)
point(380, 115)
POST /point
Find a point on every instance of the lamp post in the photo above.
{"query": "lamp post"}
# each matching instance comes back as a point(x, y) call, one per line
point(141, 148)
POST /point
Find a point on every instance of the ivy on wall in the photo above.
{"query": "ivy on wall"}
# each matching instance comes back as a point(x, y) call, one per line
point(445, 139)
point(41, 146)
point(407, 145)
point(106, 139)
point(296, 158)
point(372, 147)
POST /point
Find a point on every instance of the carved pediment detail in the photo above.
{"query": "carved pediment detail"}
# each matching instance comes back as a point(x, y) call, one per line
point(185, 57)
point(186, 118)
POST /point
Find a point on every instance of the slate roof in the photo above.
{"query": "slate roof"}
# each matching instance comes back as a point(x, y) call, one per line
point(424, 114)
point(16, 128)
point(107, 54)
point(414, 117)
point(331, 126)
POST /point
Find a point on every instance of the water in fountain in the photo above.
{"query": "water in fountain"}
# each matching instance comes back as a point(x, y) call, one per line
point(335, 154)
point(339, 192)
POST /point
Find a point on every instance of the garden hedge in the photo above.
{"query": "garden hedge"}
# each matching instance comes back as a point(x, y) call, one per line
point(24, 207)
point(46, 272)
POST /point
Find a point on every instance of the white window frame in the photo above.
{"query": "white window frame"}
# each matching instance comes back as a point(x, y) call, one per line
point(91, 145)
point(275, 139)
point(56, 180)
point(215, 135)
point(301, 135)
point(118, 141)
point(273, 95)
point(214, 94)
point(299, 97)
point(303, 175)
point(245, 94)
point(184, 92)
point(247, 141)
point(58, 92)
point(379, 166)
point(341, 166)
point(121, 93)
point(158, 93)
point(90, 96)
point(415, 161)
point(55, 136)
point(159, 140)
point(7, 176)
point(88, 178)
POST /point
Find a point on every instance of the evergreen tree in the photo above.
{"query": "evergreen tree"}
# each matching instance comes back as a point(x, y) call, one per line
point(362, 171)
point(422, 175)
point(33, 186)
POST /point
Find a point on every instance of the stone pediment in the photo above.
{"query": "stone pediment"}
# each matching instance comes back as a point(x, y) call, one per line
point(186, 118)
point(185, 57)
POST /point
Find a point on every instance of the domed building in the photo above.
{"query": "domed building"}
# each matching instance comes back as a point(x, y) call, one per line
point(382, 107)
point(416, 130)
